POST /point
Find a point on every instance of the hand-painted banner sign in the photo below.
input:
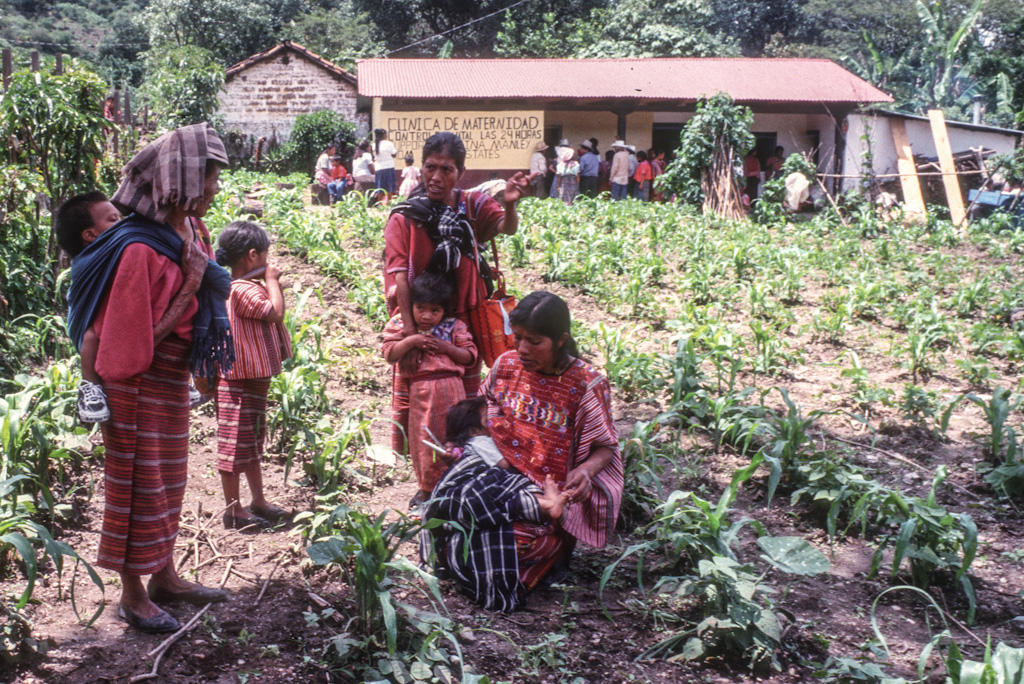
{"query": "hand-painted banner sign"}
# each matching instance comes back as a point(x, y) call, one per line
point(494, 140)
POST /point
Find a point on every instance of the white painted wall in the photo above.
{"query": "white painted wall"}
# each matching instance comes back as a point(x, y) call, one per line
point(919, 134)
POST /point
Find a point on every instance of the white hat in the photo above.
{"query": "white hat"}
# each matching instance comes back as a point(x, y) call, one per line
point(564, 142)
point(565, 154)
point(620, 144)
point(631, 148)
point(587, 145)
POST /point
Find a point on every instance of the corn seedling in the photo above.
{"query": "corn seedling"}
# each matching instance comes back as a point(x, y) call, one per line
point(998, 409)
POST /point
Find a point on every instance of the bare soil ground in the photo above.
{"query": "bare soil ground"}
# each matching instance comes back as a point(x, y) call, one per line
point(268, 639)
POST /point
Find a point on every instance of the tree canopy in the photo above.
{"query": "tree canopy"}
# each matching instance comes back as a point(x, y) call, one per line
point(924, 52)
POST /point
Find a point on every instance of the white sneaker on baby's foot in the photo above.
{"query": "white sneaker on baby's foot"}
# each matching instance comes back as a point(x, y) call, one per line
point(197, 398)
point(92, 403)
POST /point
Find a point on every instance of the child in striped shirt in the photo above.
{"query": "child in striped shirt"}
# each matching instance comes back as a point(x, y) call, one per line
point(256, 311)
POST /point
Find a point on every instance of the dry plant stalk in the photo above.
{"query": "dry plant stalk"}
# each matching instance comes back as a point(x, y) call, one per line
point(162, 649)
point(718, 184)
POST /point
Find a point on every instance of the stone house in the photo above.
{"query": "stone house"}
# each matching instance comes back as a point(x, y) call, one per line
point(265, 92)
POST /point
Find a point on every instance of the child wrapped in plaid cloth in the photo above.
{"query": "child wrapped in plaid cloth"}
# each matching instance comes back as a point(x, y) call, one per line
point(484, 497)
point(549, 418)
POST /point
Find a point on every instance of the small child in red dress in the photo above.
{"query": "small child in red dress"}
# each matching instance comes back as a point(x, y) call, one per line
point(256, 311)
point(434, 361)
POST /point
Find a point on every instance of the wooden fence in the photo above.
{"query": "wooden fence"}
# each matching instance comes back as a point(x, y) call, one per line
point(126, 128)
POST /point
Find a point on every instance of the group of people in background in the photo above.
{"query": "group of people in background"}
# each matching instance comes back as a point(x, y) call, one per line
point(373, 169)
point(753, 172)
point(565, 172)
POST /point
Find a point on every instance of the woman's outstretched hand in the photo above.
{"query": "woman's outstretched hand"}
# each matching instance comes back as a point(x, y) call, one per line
point(517, 186)
point(552, 500)
point(579, 482)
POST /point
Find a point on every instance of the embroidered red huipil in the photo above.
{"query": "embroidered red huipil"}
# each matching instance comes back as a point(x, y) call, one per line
point(549, 424)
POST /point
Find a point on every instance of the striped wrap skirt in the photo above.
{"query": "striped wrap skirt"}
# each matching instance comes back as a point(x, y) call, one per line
point(429, 401)
point(146, 466)
point(241, 423)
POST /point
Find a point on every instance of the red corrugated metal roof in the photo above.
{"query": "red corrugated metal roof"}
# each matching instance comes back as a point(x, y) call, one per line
point(685, 78)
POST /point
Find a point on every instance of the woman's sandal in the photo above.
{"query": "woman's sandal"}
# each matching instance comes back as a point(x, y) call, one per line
point(271, 513)
point(198, 595)
point(250, 525)
point(419, 497)
point(161, 623)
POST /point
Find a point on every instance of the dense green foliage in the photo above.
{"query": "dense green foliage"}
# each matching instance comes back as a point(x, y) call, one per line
point(925, 52)
point(56, 124)
point(182, 84)
point(718, 133)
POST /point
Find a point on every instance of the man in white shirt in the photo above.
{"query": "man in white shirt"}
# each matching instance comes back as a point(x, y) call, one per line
point(619, 174)
point(538, 168)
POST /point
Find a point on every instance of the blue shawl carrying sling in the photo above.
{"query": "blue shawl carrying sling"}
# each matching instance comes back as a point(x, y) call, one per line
point(93, 270)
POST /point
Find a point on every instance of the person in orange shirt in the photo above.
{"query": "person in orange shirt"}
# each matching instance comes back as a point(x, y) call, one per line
point(643, 177)
point(752, 173)
point(339, 179)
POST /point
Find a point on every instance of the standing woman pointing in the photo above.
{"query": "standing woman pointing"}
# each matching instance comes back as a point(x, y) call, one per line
point(439, 229)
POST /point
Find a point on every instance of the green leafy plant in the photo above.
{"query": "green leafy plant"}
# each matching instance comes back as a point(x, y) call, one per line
point(788, 433)
point(1002, 666)
point(390, 640)
point(713, 140)
point(57, 124)
point(736, 614)
point(929, 538)
point(310, 134)
point(998, 409)
point(182, 85)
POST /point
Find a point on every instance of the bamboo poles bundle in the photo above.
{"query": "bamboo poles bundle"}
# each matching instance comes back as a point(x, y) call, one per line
point(722, 196)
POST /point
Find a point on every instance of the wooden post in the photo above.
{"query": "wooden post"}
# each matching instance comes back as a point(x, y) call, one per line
point(620, 124)
point(8, 62)
point(34, 57)
point(949, 178)
point(127, 114)
point(58, 67)
point(913, 202)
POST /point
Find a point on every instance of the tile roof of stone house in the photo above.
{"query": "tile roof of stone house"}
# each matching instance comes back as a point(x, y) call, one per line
point(289, 47)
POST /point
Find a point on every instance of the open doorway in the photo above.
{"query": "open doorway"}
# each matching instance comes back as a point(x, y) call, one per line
point(764, 146)
point(552, 134)
point(665, 138)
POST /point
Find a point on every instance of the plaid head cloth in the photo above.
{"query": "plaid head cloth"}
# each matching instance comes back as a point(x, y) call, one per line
point(169, 171)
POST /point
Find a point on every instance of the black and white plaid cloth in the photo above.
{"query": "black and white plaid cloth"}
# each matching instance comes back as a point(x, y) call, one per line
point(477, 545)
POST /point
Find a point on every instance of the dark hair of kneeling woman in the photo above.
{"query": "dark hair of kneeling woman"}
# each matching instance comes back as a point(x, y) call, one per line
point(546, 314)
